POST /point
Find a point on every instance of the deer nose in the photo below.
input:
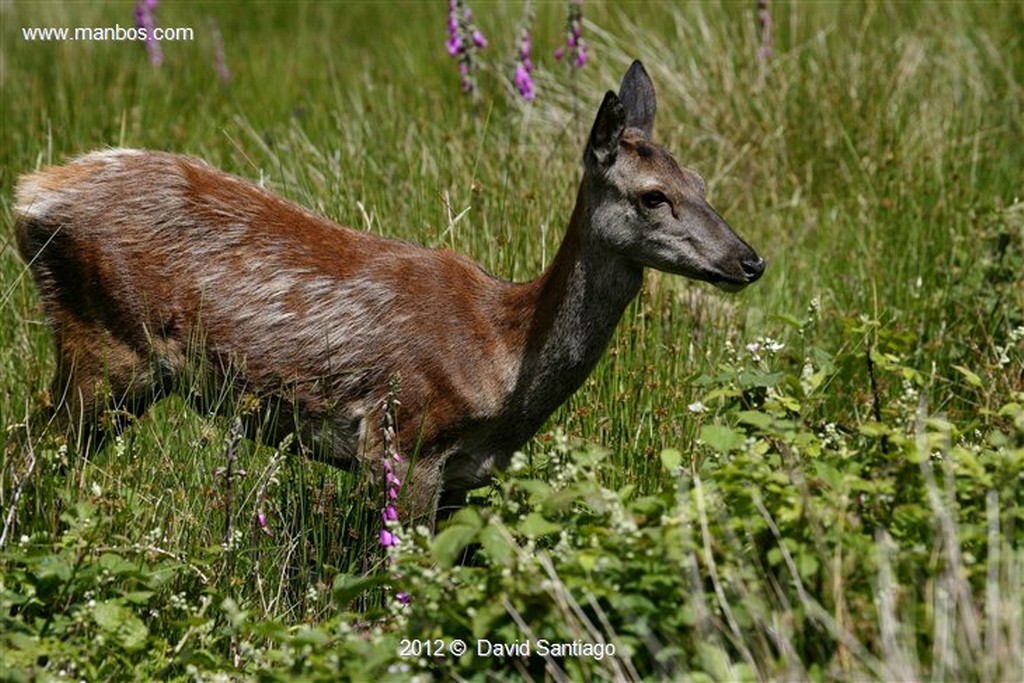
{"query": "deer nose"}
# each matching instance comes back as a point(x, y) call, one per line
point(753, 268)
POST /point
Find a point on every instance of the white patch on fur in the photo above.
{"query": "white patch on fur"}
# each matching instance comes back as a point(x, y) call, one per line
point(35, 201)
point(113, 154)
point(32, 200)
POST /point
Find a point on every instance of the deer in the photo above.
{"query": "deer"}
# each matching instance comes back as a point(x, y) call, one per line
point(154, 268)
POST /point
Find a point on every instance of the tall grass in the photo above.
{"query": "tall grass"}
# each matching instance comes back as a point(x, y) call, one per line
point(874, 160)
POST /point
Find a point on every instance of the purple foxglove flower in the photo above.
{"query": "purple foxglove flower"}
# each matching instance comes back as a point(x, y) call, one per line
point(575, 49)
point(455, 45)
point(581, 54)
point(524, 82)
point(145, 19)
point(464, 39)
point(390, 513)
point(387, 539)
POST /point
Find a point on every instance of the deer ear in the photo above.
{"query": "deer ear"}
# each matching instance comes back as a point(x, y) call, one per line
point(637, 95)
point(606, 133)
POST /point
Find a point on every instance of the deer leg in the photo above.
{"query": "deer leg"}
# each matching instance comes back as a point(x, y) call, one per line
point(100, 385)
point(421, 491)
point(450, 502)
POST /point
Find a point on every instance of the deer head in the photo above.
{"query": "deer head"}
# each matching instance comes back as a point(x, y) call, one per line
point(648, 209)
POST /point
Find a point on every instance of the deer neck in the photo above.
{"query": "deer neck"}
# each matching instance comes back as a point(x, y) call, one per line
point(574, 308)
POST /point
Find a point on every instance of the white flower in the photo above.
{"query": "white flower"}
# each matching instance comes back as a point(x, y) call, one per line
point(697, 407)
point(519, 462)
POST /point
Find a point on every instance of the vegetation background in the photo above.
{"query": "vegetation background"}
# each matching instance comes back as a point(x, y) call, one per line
point(820, 478)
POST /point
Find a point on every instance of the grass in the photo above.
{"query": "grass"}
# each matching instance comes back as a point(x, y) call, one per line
point(868, 525)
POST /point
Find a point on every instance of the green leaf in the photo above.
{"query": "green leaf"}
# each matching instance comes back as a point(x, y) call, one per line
point(671, 459)
point(561, 500)
point(52, 571)
point(498, 546)
point(536, 526)
point(875, 429)
point(537, 489)
point(721, 438)
point(1011, 408)
point(21, 641)
point(449, 544)
point(121, 624)
point(789, 403)
point(807, 565)
point(311, 636)
point(756, 378)
point(485, 616)
point(755, 418)
point(138, 597)
point(115, 564)
point(811, 383)
point(468, 516)
point(588, 561)
point(347, 588)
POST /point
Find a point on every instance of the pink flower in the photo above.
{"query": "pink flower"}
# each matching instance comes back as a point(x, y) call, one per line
point(389, 514)
point(524, 67)
point(145, 19)
point(454, 45)
point(524, 82)
point(575, 48)
point(464, 40)
point(581, 53)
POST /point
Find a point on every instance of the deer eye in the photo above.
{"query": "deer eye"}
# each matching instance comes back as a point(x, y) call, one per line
point(653, 199)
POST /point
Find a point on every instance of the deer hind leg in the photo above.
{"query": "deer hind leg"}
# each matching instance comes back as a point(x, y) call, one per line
point(449, 502)
point(100, 385)
point(420, 492)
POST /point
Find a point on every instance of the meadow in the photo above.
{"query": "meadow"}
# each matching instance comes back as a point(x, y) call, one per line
point(819, 478)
